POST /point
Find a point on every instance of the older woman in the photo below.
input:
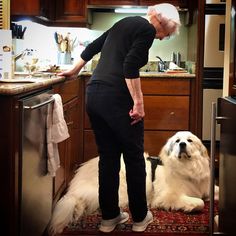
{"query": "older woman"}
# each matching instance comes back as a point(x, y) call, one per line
point(114, 103)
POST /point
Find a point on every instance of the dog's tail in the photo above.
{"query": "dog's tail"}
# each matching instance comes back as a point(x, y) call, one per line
point(62, 214)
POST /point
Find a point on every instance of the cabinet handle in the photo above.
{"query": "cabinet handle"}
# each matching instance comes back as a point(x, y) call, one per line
point(40, 104)
point(172, 113)
point(219, 119)
point(70, 123)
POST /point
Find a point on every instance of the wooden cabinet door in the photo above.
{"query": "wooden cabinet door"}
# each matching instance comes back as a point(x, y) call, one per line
point(72, 114)
point(154, 140)
point(112, 2)
point(29, 7)
point(166, 113)
point(71, 11)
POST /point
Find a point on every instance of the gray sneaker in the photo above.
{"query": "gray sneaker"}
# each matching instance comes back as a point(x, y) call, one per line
point(107, 226)
point(141, 226)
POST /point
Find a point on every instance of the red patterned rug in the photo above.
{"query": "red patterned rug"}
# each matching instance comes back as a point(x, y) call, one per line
point(165, 223)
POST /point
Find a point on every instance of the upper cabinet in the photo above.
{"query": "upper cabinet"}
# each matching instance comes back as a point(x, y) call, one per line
point(112, 2)
point(29, 7)
point(52, 12)
point(65, 12)
point(71, 13)
point(180, 3)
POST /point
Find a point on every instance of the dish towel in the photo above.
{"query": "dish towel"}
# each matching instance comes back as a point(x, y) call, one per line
point(57, 131)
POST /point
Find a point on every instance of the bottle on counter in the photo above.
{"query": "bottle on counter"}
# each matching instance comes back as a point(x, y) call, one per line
point(173, 57)
point(178, 59)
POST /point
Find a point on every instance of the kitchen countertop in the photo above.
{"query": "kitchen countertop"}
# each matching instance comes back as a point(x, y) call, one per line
point(12, 88)
point(152, 74)
point(45, 81)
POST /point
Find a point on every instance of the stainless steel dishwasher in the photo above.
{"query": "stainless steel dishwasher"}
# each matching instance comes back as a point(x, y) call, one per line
point(36, 185)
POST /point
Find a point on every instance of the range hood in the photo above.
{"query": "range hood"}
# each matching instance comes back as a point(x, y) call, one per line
point(123, 9)
point(118, 9)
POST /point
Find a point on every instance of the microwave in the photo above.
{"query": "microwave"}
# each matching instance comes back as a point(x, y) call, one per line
point(215, 1)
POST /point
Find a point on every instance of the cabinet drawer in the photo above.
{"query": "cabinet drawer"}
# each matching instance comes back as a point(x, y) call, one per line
point(166, 86)
point(155, 140)
point(162, 112)
point(68, 90)
point(166, 112)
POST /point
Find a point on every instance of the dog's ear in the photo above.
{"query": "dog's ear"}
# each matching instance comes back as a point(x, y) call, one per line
point(167, 148)
point(203, 150)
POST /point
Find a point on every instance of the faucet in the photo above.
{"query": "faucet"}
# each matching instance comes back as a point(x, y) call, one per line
point(22, 54)
point(161, 65)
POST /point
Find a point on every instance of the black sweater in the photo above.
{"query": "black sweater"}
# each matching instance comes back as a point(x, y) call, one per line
point(124, 50)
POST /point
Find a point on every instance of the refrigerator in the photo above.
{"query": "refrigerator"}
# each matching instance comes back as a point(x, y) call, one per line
point(213, 70)
point(226, 116)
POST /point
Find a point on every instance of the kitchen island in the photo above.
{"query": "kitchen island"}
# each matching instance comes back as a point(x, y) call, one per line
point(169, 106)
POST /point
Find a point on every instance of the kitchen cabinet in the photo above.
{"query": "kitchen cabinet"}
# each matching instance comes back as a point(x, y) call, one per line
point(69, 149)
point(22, 136)
point(52, 12)
point(167, 106)
point(167, 103)
point(19, 145)
point(25, 8)
point(112, 2)
point(180, 3)
point(66, 12)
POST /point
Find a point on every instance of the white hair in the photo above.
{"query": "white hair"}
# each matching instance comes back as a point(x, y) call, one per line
point(167, 14)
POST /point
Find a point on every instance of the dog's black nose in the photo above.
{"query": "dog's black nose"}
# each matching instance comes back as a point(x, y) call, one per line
point(182, 145)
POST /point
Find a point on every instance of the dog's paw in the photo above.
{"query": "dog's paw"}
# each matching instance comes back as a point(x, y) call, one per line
point(191, 204)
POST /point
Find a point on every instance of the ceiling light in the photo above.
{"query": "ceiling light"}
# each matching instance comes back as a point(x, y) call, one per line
point(131, 10)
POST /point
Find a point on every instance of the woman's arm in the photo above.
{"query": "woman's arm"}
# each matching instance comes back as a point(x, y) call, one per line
point(75, 69)
point(88, 53)
point(137, 112)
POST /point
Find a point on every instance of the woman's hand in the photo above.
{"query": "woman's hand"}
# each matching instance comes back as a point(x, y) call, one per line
point(66, 73)
point(74, 71)
point(137, 113)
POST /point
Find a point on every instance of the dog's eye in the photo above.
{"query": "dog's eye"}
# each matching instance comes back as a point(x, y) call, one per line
point(177, 141)
point(190, 140)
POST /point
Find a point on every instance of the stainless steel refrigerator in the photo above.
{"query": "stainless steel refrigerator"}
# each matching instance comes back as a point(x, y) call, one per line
point(227, 170)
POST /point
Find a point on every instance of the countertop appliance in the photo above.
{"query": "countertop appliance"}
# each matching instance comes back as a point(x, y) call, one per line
point(36, 184)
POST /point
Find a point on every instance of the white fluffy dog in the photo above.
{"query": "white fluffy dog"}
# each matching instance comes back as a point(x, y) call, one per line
point(181, 182)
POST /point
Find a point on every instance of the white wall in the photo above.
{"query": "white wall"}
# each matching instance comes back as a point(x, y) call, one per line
point(41, 38)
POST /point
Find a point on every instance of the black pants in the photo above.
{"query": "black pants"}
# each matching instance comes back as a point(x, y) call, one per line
point(108, 111)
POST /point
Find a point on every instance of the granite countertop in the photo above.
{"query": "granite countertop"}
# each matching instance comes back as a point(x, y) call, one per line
point(14, 87)
point(154, 74)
